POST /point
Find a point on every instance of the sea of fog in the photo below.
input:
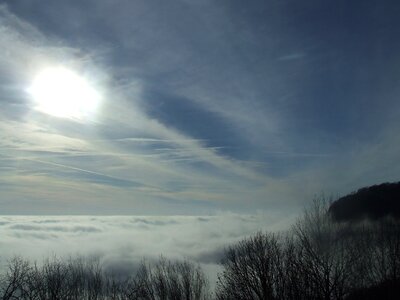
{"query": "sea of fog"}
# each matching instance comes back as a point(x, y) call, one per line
point(122, 242)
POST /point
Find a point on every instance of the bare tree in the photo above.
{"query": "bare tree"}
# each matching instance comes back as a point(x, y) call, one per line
point(326, 254)
point(386, 250)
point(253, 269)
point(171, 280)
point(13, 281)
point(81, 278)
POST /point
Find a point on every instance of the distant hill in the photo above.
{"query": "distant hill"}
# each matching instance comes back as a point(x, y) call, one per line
point(372, 202)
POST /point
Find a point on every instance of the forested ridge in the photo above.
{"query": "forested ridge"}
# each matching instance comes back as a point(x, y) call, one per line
point(374, 202)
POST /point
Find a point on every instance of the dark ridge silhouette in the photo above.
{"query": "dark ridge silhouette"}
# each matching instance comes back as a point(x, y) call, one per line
point(374, 202)
point(385, 291)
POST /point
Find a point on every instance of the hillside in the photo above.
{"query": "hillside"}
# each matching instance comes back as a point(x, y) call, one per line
point(372, 202)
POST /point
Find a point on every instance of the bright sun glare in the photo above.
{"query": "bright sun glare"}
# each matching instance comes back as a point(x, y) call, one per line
point(60, 92)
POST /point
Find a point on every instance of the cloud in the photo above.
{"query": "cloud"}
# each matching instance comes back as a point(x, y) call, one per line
point(73, 155)
point(201, 114)
point(292, 56)
point(152, 235)
point(75, 229)
point(121, 242)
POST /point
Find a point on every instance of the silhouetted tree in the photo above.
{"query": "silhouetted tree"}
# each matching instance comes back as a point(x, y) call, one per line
point(326, 258)
point(80, 278)
point(167, 280)
point(14, 279)
point(253, 269)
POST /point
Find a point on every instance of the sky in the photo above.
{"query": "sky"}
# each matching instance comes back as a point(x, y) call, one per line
point(202, 107)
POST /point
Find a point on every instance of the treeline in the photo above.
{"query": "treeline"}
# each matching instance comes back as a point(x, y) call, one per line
point(318, 258)
point(79, 278)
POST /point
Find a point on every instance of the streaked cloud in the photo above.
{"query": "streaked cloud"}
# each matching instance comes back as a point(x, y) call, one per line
point(207, 107)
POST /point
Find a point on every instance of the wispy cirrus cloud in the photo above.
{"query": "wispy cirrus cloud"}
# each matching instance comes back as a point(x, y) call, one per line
point(43, 147)
point(205, 107)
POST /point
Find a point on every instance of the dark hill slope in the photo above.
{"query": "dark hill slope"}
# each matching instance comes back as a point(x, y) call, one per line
point(372, 202)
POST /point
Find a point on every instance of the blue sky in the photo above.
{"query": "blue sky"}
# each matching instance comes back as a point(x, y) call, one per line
point(207, 106)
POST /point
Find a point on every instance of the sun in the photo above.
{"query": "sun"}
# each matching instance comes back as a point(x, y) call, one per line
point(62, 93)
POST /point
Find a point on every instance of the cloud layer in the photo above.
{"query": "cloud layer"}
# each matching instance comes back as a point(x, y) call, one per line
point(122, 242)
